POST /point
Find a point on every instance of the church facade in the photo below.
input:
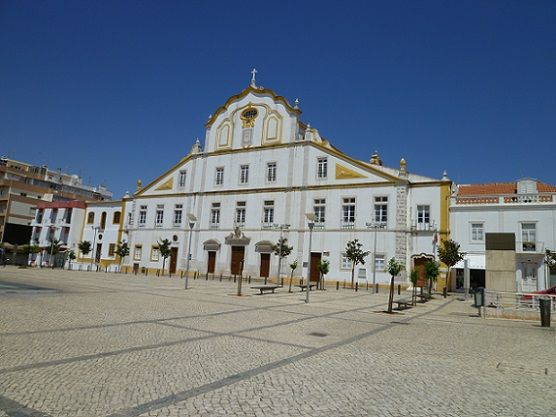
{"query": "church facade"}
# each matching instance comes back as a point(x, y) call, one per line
point(260, 172)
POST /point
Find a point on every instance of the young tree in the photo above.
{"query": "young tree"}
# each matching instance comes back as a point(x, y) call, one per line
point(394, 268)
point(84, 247)
point(71, 257)
point(282, 250)
point(414, 278)
point(54, 249)
point(122, 250)
point(356, 255)
point(450, 255)
point(293, 267)
point(324, 268)
point(432, 269)
point(165, 251)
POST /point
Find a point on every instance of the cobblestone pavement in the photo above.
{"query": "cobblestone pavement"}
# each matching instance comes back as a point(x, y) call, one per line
point(82, 344)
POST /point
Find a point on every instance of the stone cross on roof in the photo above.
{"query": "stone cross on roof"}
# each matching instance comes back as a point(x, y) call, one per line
point(253, 73)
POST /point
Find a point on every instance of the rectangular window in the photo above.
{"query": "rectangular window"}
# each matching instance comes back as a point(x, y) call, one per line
point(137, 252)
point(271, 172)
point(155, 254)
point(177, 214)
point(181, 179)
point(477, 232)
point(322, 168)
point(529, 236)
point(240, 212)
point(111, 249)
point(268, 212)
point(244, 174)
point(142, 215)
point(39, 216)
point(423, 214)
point(319, 208)
point(219, 177)
point(345, 263)
point(348, 211)
point(381, 210)
point(159, 218)
point(215, 215)
point(380, 263)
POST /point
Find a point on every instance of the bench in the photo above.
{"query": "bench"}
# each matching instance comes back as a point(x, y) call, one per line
point(304, 286)
point(403, 302)
point(263, 288)
point(423, 297)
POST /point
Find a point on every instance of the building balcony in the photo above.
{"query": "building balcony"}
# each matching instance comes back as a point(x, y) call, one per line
point(509, 199)
point(534, 247)
point(214, 226)
point(426, 227)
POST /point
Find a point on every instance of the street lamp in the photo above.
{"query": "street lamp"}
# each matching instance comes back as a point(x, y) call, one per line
point(374, 226)
point(192, 220)
point(281, 227)
point(52, 234)
point(93, 257)
point(312, 217)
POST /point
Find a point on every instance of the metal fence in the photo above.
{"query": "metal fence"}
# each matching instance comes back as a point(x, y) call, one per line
point(515, 305)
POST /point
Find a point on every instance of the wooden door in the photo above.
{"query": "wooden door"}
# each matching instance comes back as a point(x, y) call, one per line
point(211, 262)
point(265, 265)
point(98, 252)
point(173, 260)
point(314, 273)
point(419, 265)
point(238, 253)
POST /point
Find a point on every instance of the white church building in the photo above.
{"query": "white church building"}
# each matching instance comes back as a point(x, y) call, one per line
point(259, 173)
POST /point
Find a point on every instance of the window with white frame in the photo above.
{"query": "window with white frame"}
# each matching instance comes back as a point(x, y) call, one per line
point(345, 262)
point(319, 208)
point(142, 215)
point(380, 262)
point(240, 212)
point(268, 212)
point(215, 215)
point(181, 178)
point(244, 174)
point(137, 252)
point(348, 211)
point(155, 253)
point(423, 214)
point(477, 232)
point(219, 176)
point(322, 168)
point(529, 236)
point(381, 209)
point(271, 172)
point(178, 210)
point(159, 217)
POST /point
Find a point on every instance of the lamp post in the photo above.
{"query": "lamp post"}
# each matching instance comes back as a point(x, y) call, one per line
point(93, 252)
point(282, 227)
point(374, 226)
point(191, 220)
point(311, 217)
point(52, 233)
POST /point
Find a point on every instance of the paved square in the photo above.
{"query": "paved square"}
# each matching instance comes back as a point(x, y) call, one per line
point(82, 344)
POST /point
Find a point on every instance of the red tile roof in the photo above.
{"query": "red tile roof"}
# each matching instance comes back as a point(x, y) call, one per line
point(500, 188)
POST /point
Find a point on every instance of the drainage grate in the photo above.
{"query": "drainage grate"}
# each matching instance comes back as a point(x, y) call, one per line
point(318, 334)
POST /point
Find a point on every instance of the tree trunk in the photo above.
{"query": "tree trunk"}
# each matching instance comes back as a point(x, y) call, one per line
point(352, 276)
point(163, 265)
point(447, 278)
point(413, 301)
point(291, 278)
point(430, 287)
point(391, 296)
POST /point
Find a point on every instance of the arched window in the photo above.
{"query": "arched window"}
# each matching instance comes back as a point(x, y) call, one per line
point(116, 217)
point(91, 218)
point(103, 220)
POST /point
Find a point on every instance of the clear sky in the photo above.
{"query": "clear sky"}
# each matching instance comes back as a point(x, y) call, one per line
point(119, 90)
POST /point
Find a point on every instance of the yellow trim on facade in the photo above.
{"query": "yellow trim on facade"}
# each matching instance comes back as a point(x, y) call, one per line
point(168, 172)
point(168, 185)
point(344, 173)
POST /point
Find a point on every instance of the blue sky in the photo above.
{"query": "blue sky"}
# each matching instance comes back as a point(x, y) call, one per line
point(117, 90)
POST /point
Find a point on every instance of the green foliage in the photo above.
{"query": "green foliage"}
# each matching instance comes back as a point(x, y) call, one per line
point(293, 265)
point(281, 248)
point(324, 266)
point(55, 247)
point(449, 253)
point(71, 255)
point(122, 250)
point(414, 276)
point(432, 270)
point(394, 267)
point(356, 254)
point(164, 248)
point(550, 259)
point(84, 247)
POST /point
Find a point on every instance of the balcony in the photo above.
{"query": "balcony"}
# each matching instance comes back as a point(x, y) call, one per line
point(533, 247)
point(508, 199)
point(214, 226)
point(426, 227)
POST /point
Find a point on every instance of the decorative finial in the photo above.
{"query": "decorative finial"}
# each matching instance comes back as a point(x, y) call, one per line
point(296, 103)
point(196, 148)
point(139, 185)
point(253, 74)
point(445, 176)
point(403, 167)
point(375, 159)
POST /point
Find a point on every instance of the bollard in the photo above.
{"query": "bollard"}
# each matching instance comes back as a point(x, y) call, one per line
point(234, 278)
point(265, 278)
point(367, 285)
point(337, 285)
point(445, 292)
point(376, 288)
point(399, 289)
point(282, 281)
point(301, 281)
point(249, 279)
point(344, 287)
point(356, 286)
point(220, 277)
point(544, 307)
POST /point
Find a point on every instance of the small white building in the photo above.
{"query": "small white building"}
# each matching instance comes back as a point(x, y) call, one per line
point(260, 171)
point(102, 228)
point(526, 208)
point(56, 221)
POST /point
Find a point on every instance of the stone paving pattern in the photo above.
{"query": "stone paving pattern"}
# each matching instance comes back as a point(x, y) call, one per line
point(116, 345)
